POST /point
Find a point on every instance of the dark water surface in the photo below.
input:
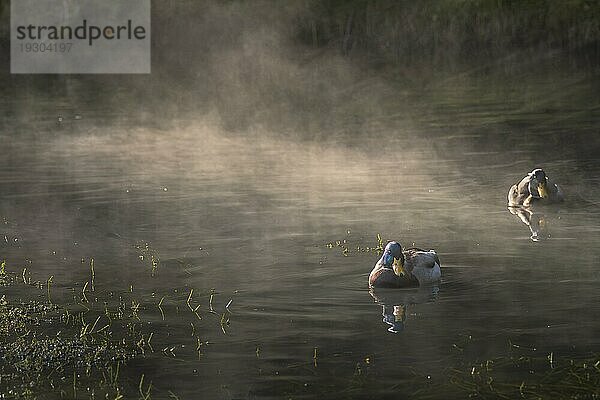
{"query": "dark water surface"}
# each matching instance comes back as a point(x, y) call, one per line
point(263, 222)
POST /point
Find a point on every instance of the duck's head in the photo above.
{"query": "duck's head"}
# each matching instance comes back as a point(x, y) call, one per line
point(538, 184)
point(392, 255)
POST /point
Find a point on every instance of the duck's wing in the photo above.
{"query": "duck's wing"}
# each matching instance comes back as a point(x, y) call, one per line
point(419, 258)
point(513, 196)
point(520, 192)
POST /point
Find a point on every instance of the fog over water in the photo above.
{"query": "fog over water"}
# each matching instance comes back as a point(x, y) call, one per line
point(259, 163)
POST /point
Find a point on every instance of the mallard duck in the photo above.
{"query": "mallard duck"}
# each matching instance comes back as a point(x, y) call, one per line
point(534, 187)
point(399, 268)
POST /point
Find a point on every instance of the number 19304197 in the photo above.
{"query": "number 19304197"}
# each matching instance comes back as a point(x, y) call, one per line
point(41, 47)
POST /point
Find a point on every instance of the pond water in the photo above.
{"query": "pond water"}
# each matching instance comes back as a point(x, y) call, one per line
point(282, 232)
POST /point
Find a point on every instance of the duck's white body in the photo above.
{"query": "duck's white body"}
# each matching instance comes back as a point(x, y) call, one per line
point(423, 265)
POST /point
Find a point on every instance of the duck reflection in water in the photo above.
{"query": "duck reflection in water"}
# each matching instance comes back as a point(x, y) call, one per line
point(395, 304)
point(394, 316)
point(535, 221)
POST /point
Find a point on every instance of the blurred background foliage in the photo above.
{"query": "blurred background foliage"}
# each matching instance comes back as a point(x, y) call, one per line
point(273, 63)
point(449, 31)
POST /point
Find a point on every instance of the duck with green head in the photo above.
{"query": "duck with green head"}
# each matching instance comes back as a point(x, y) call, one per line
point(535, 187)
point(398, 268)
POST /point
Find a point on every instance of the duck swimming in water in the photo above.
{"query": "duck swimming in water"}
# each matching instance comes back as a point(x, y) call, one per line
point(534, 187)
point(399, 268)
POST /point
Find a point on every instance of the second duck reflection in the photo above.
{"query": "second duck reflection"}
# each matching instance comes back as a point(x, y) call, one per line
point(535, 221)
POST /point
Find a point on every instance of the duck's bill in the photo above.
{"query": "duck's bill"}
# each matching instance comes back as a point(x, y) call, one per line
point(542, 190)
point(398, 267)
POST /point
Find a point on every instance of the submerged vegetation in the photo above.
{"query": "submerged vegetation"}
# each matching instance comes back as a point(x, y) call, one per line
point(519, 373)
point(529, 377)
point(345, 246)
point(80, 349)
point(47, 347)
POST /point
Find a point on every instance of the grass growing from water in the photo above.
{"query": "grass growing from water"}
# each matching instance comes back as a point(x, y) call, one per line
point(47, 347)
point(521, 372)
point(347, 249)
point(80, 349)
point(529, 377)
